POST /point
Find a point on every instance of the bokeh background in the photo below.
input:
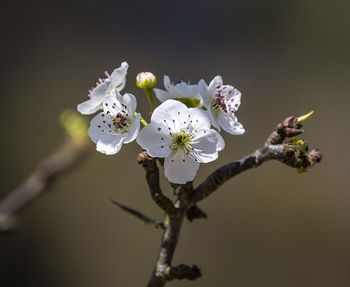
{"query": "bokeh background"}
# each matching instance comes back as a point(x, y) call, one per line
point(268, 227)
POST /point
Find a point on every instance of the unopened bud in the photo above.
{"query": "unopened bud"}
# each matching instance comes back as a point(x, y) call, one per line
point(146, 80)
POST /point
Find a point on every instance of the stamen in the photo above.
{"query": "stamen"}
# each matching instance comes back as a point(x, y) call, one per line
point(220, 102)
point(121, 123)
point(181, 140)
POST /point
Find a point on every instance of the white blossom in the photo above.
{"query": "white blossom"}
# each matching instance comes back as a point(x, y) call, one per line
point(103, 88)
point(222, 101)
point(118, 123)
point(183, 137)
point(182, 92)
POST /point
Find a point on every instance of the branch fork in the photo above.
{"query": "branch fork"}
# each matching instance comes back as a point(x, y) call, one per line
point(294, 153)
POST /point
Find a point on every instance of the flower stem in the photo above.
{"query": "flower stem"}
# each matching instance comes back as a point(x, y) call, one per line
point(142, 121)
point(149, 93)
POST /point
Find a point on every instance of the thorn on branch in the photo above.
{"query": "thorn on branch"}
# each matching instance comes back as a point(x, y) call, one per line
point(139, 215)
point(184, 272)
point(194, 212)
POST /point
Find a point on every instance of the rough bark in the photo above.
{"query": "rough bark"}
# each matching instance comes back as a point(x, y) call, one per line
point(293, 153)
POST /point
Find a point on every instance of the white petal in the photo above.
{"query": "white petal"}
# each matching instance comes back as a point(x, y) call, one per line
point(106, 142)
point(109, 145)
point(203, 89)
point(183, 90)
point(214, 84)
point(172, 114)
point(234, 97)
point(209, 141)
point(154, 138)
point(100, 91)
point(206, 102)
point(118, 76)
point(180, 168)
point(199, 119)
point(206, 145)
point(134, 129)
point(162, 95)
point(129, 102)
point(167, 83)
point(175, 93)
point(100, 124)
point(230, 124)
point(90, 106)
point(180, 90)
point(205, 157)
point(112, 103)
point(213, 119)
point(115, 103)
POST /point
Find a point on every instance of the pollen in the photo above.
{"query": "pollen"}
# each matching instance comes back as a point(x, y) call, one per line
point(181, 140)
point(121, 123)
point(219, 103)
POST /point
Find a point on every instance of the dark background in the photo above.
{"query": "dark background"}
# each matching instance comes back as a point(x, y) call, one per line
point(267, 227)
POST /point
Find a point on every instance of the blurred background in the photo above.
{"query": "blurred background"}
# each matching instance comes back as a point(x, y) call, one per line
point(267, 227)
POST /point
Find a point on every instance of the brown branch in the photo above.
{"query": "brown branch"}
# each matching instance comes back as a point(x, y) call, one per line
point(226, 172)
point(169, 241)
point(164, 270)
point(194, 212)
point(152, 177)
point(289, 128)
point(65, 158)
point(293, 153)
point(174, 216)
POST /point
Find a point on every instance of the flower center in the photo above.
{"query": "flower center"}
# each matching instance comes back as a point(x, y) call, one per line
point(218, 102)
point(181, 140)
point(121, 123)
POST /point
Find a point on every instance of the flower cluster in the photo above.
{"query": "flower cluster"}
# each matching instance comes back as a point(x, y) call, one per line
point(184, 128)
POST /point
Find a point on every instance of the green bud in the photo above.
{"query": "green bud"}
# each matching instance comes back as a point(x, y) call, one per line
point(146, 80)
